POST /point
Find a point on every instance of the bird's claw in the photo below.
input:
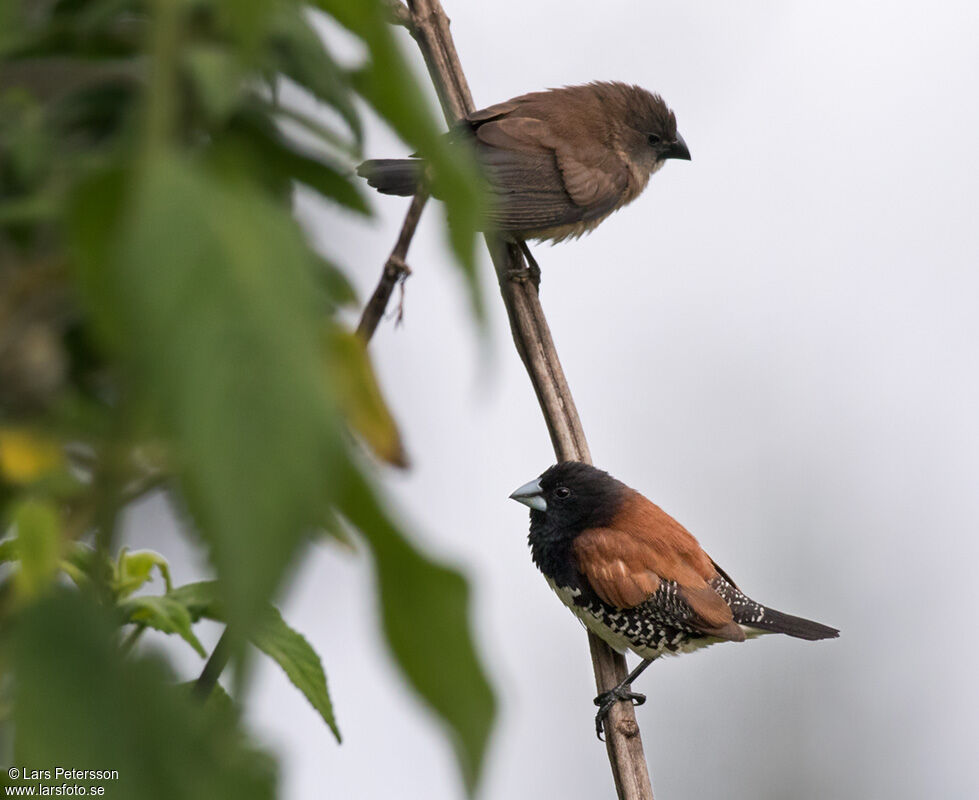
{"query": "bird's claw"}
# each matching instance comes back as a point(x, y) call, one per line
point(613, 695)
point(529, 274)
point(534, 271)
point(606, 700)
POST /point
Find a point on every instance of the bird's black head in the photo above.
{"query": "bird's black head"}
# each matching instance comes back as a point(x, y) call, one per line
point(568, 498)
point(565, 500)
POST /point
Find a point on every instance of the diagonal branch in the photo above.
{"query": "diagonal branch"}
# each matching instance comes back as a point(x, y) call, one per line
point(395, 271)
point(429, 26)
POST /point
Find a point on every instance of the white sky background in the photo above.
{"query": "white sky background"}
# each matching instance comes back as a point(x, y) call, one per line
point(776, 343)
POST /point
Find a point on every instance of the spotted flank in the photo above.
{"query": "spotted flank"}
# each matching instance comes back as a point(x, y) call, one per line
point(663, 625)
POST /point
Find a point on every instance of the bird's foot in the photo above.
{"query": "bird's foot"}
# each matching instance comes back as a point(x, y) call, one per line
point(534, 271)
point(533, 268)
point(522, 275)
point(606, 700)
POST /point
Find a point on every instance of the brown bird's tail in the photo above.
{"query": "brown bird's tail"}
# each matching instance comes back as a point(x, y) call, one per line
point(392, 175)
point(776, 622)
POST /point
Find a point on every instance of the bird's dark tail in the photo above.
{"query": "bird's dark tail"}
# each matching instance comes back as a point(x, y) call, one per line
point(392, 175)
point(776, 622)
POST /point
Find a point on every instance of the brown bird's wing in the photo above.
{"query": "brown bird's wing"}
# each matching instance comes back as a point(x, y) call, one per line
point(626, 563)
point(496, 111)
point(539, 179)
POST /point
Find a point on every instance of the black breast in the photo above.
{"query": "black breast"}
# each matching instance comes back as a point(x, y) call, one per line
point(552, 553)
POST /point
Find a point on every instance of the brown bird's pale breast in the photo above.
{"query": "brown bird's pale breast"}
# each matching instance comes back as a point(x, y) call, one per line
point(577, 229)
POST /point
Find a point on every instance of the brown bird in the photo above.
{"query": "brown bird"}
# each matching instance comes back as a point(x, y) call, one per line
point(635, 576)
point(557, 162)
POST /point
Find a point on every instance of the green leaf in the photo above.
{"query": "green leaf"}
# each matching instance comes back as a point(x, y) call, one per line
point(82, 561)
point(273, 637)
point(219, 699)
point(97, 209)
point(292, 118)
point(13, 25)
point(133, 570)
point(164, 614)
point(79, 703)
point(298, 660)
point(426, 617)
point(38, 546)
point(300, 53)
point(337, 530)
point(202, 600)
point(247, 20)
point(386, 82)
point(361, 399)
point(8, 550)
point(254, 137)
point(217, 76)
point(209, 299)
point(339, 291)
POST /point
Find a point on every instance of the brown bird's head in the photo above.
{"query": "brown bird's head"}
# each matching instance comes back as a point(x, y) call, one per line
point(646, 128)
point(570, 497)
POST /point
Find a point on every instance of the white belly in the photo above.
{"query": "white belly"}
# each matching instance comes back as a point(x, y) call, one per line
point(621, 643)
point(616, 641)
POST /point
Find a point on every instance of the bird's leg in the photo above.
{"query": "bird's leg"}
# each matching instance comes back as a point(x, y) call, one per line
point(532, 266)
point(622, 691)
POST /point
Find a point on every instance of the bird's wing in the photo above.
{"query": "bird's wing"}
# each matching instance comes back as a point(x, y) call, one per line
point(540, 181)
point(496, 111)
point(626, 564)
point(527, 193)
point(592, 179)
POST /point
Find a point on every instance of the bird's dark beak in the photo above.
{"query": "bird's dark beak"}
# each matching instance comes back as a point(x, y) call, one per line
point(678, 149)
point(530, 494)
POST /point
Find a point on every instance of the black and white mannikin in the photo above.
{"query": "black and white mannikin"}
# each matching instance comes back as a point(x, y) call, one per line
point(635, 576)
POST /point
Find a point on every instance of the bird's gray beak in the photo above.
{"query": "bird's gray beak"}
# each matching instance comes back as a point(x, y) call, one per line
point(530, 494)
point(678, 149)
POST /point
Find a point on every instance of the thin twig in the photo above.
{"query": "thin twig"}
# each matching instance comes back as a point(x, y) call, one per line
point(395, 270)
point(532, 337)
point(214, 667)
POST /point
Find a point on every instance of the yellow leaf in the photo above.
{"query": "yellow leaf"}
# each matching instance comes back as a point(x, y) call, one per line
point(360, 397)
point(26, 456)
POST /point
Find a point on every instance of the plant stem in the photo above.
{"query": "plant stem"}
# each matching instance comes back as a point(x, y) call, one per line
point(214, 667)
point(395, 270)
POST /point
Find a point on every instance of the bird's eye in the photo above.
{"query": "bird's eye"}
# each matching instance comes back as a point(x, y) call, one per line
point(562, 492)
point(653, 139)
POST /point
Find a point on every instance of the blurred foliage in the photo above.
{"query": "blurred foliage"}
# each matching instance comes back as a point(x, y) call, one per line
point(165, 325)
point(126, 713)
